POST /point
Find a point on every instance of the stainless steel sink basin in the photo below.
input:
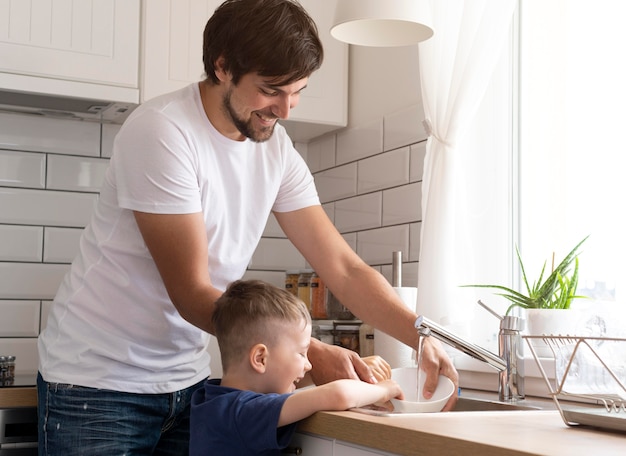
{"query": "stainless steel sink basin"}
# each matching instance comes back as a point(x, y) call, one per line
point(468, 404)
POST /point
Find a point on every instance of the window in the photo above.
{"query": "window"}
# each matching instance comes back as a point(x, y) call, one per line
point(549, 137)
point(572, 153)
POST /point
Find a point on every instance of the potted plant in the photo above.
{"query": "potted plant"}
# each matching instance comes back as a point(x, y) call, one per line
point(547, 298)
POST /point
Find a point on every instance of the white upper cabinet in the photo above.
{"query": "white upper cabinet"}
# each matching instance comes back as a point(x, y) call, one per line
point(172, 53)
point(79, 48)
point(324, 103)
point(172, 58)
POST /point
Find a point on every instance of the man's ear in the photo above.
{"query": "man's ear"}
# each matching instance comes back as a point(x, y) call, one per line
point(258, 357)
point(220, 71)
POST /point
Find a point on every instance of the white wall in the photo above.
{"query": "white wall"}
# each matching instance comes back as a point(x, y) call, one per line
point(382, 81)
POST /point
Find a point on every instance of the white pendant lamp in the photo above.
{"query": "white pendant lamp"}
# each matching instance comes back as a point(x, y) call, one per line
point(381, 22)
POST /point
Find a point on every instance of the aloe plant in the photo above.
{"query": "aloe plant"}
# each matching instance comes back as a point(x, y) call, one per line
point(555, 292)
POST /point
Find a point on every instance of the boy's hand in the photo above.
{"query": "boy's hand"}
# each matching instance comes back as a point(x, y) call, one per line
point(380, 368)
point(393, 389)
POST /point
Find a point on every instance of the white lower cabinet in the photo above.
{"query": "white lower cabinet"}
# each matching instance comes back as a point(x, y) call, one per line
point(313, 445)
point(348, 449)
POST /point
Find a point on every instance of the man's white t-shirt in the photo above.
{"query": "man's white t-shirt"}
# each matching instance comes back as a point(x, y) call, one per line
point(112, 324)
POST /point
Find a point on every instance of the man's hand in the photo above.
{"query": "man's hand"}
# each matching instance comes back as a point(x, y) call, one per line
point(331, 362)
point(435, 362)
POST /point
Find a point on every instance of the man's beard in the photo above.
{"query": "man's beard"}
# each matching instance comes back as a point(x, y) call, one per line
point(245, 126)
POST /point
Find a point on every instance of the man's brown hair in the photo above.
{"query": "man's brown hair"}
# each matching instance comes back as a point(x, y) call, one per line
point(274, 38)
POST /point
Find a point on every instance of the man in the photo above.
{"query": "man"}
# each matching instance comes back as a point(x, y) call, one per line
point(193, 177)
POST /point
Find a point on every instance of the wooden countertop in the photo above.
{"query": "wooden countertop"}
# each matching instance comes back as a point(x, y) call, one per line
point(18, 397)
point(497, 433)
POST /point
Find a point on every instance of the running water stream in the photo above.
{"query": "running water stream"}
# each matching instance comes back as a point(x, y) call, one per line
point(418, 360)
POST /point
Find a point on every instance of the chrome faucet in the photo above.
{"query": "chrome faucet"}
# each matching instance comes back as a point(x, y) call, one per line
point(509, 363)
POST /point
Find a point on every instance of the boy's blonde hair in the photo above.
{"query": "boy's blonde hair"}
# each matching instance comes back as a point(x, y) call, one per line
point(248, 313)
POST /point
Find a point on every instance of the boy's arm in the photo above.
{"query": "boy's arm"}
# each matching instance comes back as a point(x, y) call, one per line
point(338, 395)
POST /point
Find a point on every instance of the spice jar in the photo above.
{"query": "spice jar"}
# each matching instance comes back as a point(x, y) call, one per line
point(319, 297)
point(304, 287)
point(10, 367)
point(4, 368)
point(291, 281)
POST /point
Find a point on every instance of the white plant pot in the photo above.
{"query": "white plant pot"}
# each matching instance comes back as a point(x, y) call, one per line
point(552, 322)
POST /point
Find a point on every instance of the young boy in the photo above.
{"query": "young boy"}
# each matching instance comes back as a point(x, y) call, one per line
point(264, 334)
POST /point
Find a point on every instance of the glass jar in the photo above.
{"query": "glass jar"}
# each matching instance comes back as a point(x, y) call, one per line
point(291, 281)
point(10, 367)
point(4, 368)
point(324, 333)
point(366, 340)
point(304, 287)
point(336, 310)
point(319, 297)
point(347, 336)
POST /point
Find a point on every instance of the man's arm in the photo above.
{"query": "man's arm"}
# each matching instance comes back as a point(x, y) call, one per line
point(360, 288)
point(178, 246)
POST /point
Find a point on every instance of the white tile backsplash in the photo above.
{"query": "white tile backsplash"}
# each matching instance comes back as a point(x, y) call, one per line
point(383, 171)
point(416, 166)
point(404, 127)
point(359, 213)
point(376, 246)
point(30, 280)
point(108, 135)
point(360, 142)
point(38, 134)
point(40, 207)
point(350, 238)
point(276, 278)
point(276, 254)
point(20, 243)
point(272, 228)
point(402, 204)
point(22, 169)
point(81, 174)
point(409, 274)
point(19, 318)
point(45, 311)
point(385, 213)
point(329, 208)
point(321, 153)
point(415, 232)
point(336, 183)
point(61, 244)
point(25, 351)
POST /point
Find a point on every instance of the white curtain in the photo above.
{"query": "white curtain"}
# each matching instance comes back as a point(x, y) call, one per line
point(456, 65)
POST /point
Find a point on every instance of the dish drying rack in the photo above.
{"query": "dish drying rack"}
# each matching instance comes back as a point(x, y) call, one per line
point(607, 408)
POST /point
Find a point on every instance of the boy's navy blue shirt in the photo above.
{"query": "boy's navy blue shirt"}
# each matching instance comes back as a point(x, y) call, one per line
point(228, 421)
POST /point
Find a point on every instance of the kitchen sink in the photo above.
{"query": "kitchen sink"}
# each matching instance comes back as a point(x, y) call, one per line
point(469, 404)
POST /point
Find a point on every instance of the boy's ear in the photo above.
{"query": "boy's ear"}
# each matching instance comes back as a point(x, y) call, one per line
point(258, 357)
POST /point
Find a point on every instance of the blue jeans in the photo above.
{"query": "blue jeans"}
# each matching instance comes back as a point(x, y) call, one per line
point(75, 420)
